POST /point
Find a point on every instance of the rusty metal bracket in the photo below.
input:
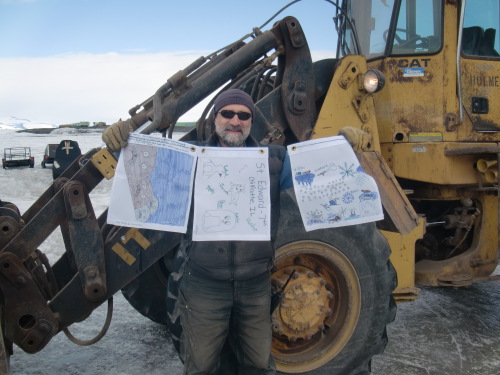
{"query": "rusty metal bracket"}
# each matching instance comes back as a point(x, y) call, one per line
point(297, 98)
point(86, 241)
point(349, 75)
point(37, 333)
point(359, 103)
point(75, 199)
point(30, 325)
point(297, 37)
point(23, 273)
point(11, 224)
point(105, 162)
point(13, 270)
point(298, 83)
point(272, 136)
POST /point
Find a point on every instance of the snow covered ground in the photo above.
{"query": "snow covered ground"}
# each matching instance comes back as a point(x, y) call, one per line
point(446, 331)
point(18, 123)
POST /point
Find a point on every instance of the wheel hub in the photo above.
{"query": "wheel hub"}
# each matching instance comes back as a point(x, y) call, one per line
point(305, 305)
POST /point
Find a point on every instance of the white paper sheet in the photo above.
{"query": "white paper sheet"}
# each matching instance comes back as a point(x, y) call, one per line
point(331, 187)
point(153, 184)
point(232, 197)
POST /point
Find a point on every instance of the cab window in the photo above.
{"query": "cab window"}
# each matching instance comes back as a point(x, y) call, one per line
point(419, 28)
point(479, 34)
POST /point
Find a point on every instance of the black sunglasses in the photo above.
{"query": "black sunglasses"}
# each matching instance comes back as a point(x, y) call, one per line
point(230, 114)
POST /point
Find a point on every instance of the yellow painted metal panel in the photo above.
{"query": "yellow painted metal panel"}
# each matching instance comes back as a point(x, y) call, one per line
point(427, 162)
point(403, 255)
point(340, 109)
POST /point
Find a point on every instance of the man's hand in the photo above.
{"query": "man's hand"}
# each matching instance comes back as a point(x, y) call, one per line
point(115, 136)
point(359, 139)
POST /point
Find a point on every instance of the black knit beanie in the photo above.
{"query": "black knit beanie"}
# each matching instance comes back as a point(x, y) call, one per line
point(233, 96)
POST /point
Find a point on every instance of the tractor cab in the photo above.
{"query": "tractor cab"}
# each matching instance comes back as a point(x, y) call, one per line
point(441, 60)
point(436, 125)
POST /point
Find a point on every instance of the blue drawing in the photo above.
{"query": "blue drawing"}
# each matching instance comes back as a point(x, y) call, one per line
point(360, 169)
point(368, 195)
point(304, 178)
point(331, 202)
point(353, 215)
point(347, 170)
point(315, 217)
point(143, 213)
point(348, 197)
point(171, 185)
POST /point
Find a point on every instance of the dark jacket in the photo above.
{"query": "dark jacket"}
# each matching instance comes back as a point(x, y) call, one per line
point(238, 260)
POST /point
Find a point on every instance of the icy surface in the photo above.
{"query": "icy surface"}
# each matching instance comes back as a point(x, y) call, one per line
point(446, 331)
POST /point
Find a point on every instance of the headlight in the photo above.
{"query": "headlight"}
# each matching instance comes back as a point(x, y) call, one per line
point(373, 81)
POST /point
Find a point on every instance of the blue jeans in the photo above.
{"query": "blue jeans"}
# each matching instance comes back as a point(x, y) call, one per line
point(211, 309)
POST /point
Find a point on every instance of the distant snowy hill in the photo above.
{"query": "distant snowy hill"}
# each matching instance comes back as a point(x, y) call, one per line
point(16, 123)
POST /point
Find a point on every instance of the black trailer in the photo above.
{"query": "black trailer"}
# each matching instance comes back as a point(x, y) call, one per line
point(17, 157)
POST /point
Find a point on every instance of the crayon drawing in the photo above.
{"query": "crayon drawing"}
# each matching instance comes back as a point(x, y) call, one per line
point(153, 184)
point(231, 198)
point(331, 187)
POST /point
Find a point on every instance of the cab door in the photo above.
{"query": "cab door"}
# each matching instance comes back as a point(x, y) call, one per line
point(480, 64)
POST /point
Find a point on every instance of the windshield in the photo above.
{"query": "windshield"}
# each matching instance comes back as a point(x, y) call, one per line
point(417, 28)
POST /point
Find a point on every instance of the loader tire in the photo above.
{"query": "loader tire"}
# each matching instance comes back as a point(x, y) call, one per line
point(333, 317)
point(147, 293)
point(335, 311)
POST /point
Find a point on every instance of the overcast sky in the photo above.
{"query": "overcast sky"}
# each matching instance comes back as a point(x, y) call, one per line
point(63, 61)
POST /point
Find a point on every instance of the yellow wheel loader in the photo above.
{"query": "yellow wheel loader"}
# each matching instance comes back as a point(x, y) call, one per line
point(413, 87)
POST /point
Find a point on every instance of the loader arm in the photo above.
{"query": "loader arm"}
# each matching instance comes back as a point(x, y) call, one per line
point(247, 66)
point(40, 299)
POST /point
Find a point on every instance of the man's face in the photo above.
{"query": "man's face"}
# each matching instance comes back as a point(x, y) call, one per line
point(233, 132)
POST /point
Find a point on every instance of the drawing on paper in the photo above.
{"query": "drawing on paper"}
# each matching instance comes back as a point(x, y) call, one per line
point(231, 195)
point(139, 163)
point(347, 170)
point(304, 178)
point(330, 185)
point(234, 192)
point(210, 169)
point(159, 183)
point(218, 221)
point(221, 219)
